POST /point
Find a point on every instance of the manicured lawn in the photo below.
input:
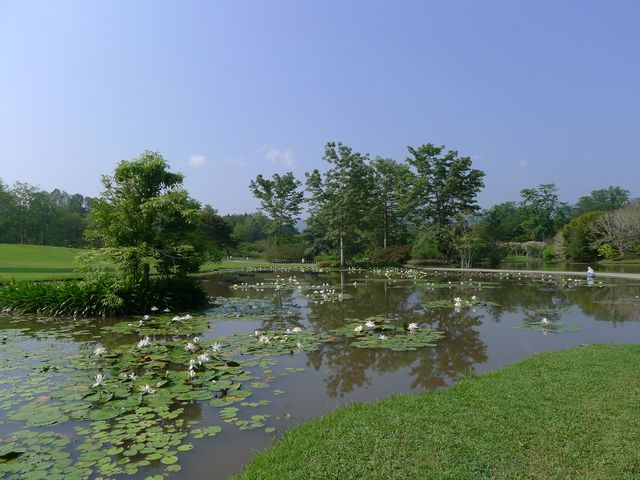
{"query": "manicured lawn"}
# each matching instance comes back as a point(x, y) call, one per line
point(572, 414)
point(36, 262)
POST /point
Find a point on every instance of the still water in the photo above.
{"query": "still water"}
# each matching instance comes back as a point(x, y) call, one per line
point(487, 321)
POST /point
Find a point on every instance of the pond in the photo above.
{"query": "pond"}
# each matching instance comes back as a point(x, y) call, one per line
point(181, 396)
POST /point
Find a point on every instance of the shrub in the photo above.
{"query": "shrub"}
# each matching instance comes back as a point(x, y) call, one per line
point(425, 248)
point(383, 257)
point(102, 297)
point(285, 253)
point(607, 251)
point(549, 253)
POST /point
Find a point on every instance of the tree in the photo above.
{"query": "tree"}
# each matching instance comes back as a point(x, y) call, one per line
point(605, 199)
point(579, 237)
point(392, 181)
point(216, 229)
point(620, 228)
point(340, 198)
point(144, 217)
point(542, 211)
point(281, 201)
point(444, 185)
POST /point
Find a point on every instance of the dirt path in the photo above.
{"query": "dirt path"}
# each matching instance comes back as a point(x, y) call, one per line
point(628, 276)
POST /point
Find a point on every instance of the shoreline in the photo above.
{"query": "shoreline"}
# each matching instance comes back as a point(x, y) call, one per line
point(627, 276)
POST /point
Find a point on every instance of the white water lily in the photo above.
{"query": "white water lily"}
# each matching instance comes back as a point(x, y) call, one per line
point(203, 358)
point(190, 347)
point(369, 324)
point(192, 364)
point(263, 339)
point(146, 317)
point(166, 310)
point(192, 373)
point(145, 342)
point(257, 333)
point(154, 309)
point(474, 298)
point(296, 329)
point(412, 327)
point(215, 347)
point(146, 389)
point(132, 376)
point(196, 339)
point(299, 346)
point(99, 381)
point(382, 336)
point(544, 321)
point(100, 351)
point(358, 329)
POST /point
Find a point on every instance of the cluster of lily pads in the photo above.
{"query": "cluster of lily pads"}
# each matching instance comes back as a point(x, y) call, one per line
point(380, 332)
point(546, 326)
point(320, 293)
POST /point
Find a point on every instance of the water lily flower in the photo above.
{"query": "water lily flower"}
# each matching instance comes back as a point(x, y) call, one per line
point(474, 298)
point(196, 339)
point(257, 333)
point(146, 389)
point(132, 376)
point(166, 310)
point(154, 309)
point(296, 329)
point(544, 321)
point(369, 324)
point(145, 342)
point(100, 351)
point(99, 381)
point(192, 373)
point(190, 347)
point(263, 339)
point(146, 317)
point(215, 347)
point(299, 346)
point(412, 327)
point(203, 358)
point(358, 329)
point(382, 336)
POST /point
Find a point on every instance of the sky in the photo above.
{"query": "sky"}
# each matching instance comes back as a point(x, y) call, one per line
point(534, 92)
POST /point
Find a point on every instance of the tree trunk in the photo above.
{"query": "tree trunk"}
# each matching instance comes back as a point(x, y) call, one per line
point(386, 227)
point(341, 250)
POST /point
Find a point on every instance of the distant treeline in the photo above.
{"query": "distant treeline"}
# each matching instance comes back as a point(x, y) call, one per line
point(29, 215)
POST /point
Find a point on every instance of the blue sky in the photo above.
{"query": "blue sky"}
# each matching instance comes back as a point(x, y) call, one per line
point(535, 92)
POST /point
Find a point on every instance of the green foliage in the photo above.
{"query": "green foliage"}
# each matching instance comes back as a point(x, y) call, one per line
point(216, 229)
point(604, 199)
point(248, 227)
point(340, 198)
point(580, 236)
point(281, 201)
point(549, 253)
point(426, 247)
point(384, 257)
point(542, 211)
point(290, 252)
point(106, 296)
point(146, 217)
point(607, 251)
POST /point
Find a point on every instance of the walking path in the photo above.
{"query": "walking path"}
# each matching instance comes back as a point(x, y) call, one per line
point(628, 276)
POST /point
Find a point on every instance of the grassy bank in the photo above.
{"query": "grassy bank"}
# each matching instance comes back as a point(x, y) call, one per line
point(36, 262)
point(568, 414)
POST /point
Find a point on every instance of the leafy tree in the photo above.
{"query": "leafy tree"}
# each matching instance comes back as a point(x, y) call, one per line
point(340, 199)
point(605, 199)
point(503, 222)
point(216, 229)
point(248, 227)
point(392, 181)
point(281, 201)
point(579, 236)
point(443, 186)
point(542, 211)
point(619, 228)
point(144, 217)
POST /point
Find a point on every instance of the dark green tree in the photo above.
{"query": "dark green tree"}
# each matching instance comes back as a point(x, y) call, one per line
point(281, 201)
point(605, 199)
point(392, 182)
point(216, 229)
point(543, 213)
point(145, 218)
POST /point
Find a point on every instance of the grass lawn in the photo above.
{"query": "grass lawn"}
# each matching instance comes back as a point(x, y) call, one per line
point(240, 264)
point(36, 262)
point(571, 414)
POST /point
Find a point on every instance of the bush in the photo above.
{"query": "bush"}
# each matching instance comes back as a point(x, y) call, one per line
point(425, 248)
point(285, 253)
point(383, 257)
point(549, 253)
point(102, 297)
point(607, 251)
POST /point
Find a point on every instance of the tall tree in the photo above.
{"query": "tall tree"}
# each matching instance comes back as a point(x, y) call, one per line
point(543, 212)
point(216, 229)
point(145, 217)
point(281, 201)
point(340, 197)
point(392, 181)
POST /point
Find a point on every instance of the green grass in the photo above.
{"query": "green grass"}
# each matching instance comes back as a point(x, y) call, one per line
point(36, 262)
point(242, 264)
point(572, 414)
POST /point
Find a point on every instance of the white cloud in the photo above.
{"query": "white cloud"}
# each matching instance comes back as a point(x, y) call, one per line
point(275, 155)
point(524, 163)
point(196, 160)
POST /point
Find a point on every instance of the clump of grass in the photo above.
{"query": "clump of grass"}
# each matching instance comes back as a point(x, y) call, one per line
point(101, 297)
point(571, 414)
